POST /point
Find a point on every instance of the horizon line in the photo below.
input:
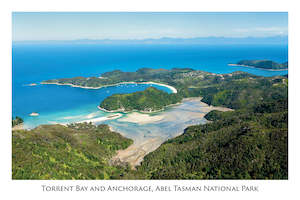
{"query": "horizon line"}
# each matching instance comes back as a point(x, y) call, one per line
point(161, 38)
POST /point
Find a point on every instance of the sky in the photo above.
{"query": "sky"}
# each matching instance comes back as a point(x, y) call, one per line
point(126, 25)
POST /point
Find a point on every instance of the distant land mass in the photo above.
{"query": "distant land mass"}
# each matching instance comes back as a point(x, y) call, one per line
point(168, 40)
point(263, 64)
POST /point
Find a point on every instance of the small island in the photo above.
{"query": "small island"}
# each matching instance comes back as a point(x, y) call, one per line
point(262, 64)
point(149, 100)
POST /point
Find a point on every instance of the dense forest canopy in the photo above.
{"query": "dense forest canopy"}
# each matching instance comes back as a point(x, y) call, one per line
point(79, 151)
point(148, 100)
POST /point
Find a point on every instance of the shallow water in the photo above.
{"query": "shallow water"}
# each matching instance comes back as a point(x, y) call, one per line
point(65, 104)
point(175, 120)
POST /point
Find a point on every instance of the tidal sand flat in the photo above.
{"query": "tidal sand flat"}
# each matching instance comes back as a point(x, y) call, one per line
point(140, 118)
point(150, 131)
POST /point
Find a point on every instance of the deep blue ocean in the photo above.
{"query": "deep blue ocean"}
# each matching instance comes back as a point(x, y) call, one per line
point(62, 104)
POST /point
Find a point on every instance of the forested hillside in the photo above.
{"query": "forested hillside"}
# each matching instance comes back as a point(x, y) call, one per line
point(248, 144)
point(80, 151)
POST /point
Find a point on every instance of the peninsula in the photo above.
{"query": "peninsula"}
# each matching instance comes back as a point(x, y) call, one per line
point(117, 77)
point(263, 64)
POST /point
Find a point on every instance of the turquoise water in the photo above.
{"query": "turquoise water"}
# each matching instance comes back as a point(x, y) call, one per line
point(64, 104)
point(174, 121)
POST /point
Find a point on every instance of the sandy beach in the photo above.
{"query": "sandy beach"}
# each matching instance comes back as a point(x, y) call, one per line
point(140, 118)
point(173, 89)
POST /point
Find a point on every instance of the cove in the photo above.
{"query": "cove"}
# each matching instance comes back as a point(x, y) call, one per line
point(65, 104)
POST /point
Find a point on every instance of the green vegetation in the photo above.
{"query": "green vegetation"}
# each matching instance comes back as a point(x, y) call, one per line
point(265, 64)
point(79, 151)
point(17, 121)
point(117, 76)
point(250, 142)
point(237, 145)
point(148, 100)
point(242, 91)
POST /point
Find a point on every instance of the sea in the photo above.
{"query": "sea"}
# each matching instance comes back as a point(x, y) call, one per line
point(33, 63)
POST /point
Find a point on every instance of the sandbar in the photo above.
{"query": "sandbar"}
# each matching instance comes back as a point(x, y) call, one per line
point(140, 118)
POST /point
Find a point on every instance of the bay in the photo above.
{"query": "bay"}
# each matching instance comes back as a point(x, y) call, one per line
point(35, 63)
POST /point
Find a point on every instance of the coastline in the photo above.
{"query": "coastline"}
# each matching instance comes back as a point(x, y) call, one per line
point(274, 70)
point(144, 112)
point(144, 118)
point(173, 89)
point(135, 153)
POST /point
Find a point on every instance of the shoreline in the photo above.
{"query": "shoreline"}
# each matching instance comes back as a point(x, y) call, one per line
point(173, 89)
point(135, 153)
point(139, 111)
point(272, 70)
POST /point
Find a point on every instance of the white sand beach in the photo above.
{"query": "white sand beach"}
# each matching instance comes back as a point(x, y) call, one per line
point(140, 118)
point(173, 89)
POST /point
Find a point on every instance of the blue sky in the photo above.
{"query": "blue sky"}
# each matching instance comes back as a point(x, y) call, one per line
point(72, 26)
